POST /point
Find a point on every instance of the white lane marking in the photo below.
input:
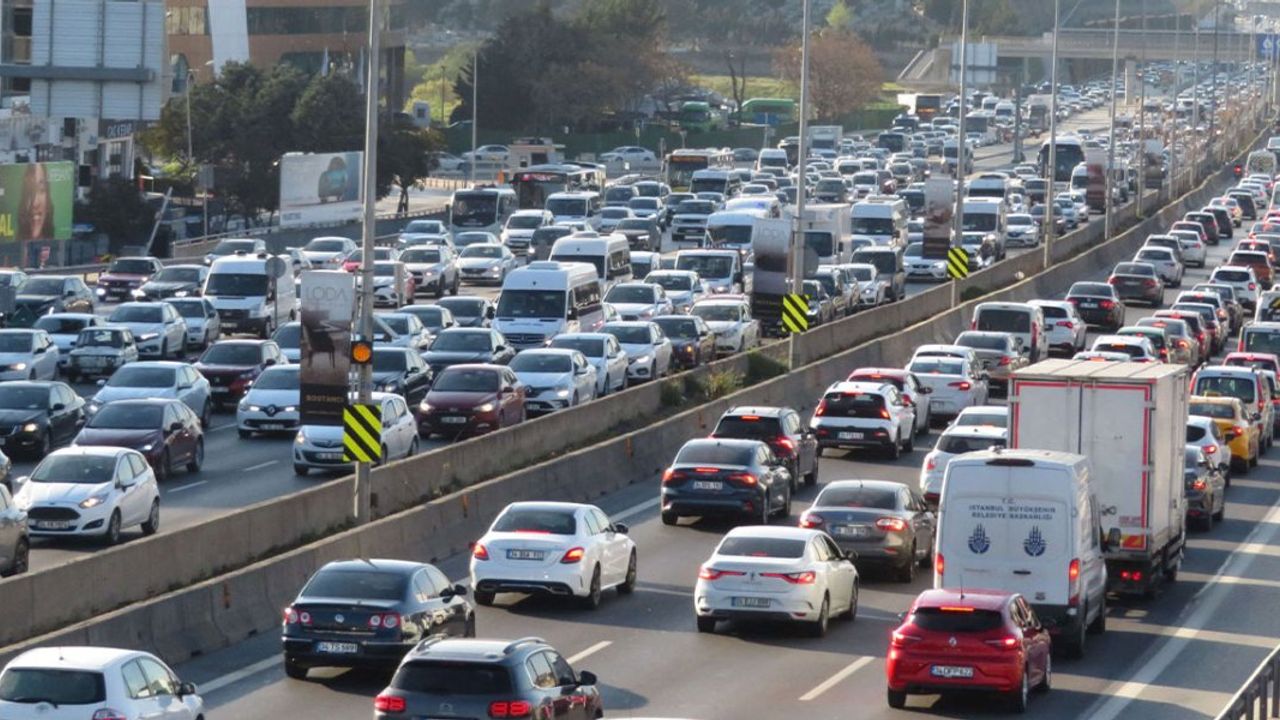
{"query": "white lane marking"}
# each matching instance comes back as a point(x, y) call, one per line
point(228, 426)
point(575, 659)
point(188, 486)
point(636, 509)
point(1227, 638)
point(1247, 548)
point(1206, 605)
point(832, 681)
point(1229, 580)
point(259, 466)
point(232, 678)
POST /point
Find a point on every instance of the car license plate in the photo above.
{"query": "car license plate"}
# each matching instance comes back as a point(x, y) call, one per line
point(272, 426)
point(750, 602)
point(51, 524)
point(951, 671)
point(854, 531)
point(707, 485)
point(329, 456)
point(220, 390)
point(850, 436)
point(90, 361)
point(453, 420)
point(337, 648)
point(525, 554)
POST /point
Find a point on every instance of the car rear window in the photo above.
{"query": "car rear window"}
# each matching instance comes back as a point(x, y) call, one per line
point(859, 497)
point(962, 444)
point(1053, 311)
point(761, 547)
point(984, 342)
point(56, 687)
point(361, 584)
point(452, 678)
point(1235, 276)
point(998, 320)
point(1218, 411)
point(553, 522)
point(1235, 387)
point(749, 426)
point(1262, 342)
point(958, 620)
point(715, 454)
point(1195, 433)
point(937, 366)
point(853, 405)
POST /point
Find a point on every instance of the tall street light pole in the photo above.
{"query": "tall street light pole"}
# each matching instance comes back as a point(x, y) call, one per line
point(364, 380)
point(1213, 101)
point(797, 236)
point(1052, 169)
point(1142, 112)
point(475, 94)
point(957, 215)
point(1174, 128)
point(1111, 131)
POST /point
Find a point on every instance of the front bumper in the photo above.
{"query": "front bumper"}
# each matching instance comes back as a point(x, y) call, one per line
point(261, 421)
point(68, 521)
point(320, 458)
point(456, 424)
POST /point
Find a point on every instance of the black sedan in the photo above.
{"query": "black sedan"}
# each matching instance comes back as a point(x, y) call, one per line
point(885, 523)
point(1098, 303)
point(36, 416)
point(468, 310)
point(370, 613)
point(401, 371)
point(789, 437)
point(743, 479)
point(692, 342)
point(174, 281)
point(463, 345)
point(1138, 281)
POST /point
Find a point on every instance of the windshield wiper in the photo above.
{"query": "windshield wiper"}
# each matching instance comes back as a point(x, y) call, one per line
point(33, 700)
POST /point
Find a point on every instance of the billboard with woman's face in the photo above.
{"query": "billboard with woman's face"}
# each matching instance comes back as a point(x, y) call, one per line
point(35, 201)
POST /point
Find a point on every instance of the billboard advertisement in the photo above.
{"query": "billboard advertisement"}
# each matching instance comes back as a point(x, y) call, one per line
point(328, 308)
point(939, 209)
point(320, 188)
point(36, 201)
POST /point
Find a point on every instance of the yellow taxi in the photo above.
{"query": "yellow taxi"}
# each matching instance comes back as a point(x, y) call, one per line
point(1243, 436)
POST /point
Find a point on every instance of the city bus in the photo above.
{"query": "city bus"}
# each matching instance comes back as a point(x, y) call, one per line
point(681, 164)
point(699, 116)
point(535, 183)
point(1069, 153)
point(767, 111)
point(481, 208)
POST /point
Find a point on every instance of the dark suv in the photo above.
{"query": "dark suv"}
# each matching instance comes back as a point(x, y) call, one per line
point(523, 678)
point(792, 441)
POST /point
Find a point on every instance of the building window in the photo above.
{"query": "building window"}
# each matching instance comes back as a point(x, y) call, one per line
point(181, 70)
point(317, 20)
point(187, 21)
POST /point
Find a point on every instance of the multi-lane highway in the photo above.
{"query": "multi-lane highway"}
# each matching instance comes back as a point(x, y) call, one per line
point(1180, 655)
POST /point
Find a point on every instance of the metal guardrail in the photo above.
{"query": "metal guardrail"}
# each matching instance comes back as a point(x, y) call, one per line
point(1260, 696)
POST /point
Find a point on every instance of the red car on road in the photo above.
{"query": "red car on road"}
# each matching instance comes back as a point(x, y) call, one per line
point(969, 640)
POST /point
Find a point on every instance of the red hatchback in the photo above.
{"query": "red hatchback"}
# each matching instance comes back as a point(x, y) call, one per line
point(971, 640)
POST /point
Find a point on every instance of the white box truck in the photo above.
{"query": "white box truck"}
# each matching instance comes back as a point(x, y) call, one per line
point(1130, 420)
point(827, 228)
point(825, 137)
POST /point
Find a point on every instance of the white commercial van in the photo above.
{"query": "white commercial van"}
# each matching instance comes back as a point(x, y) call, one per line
point(725, 182)
point(546, 298)
point(582, 206)
point(610, 255)
point(985, 217)
point(732, 229)
point(883, 218)
point(772, 158)
point(721, 271)
point(253, 294)
point(1027, 521)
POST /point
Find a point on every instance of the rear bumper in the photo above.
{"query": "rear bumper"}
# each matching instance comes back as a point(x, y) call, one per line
point(369, 652)
point(735, 505)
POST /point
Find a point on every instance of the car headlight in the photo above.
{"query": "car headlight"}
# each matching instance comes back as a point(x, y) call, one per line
point(18, 366)
point(393, 386)
point(495, 270)
point(423, 407)
point(136, 293)
point(290, 408)
point(148, 336)
point(487, 407)
point(93, 501)
point(641, 359)
point(300, 439)
point(182, 293)
point(148, 447)
point(250, 408)
point(562, 392)
point(247, 375)
point(31, 427)
point(92, 407)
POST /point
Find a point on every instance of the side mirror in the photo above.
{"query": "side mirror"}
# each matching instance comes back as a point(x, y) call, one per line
point(58, 406)
point(102, 381)
point(16, 484)
point(184, 387)
point(175, 427)
point(572, 314)
point(587, 678)
point(621, 528)
point(186, 688)
point(489, 312)
point(269, 363)
point(459, 590)
point(926, 390)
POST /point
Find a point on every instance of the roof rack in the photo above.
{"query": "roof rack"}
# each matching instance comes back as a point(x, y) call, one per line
point(514, 644)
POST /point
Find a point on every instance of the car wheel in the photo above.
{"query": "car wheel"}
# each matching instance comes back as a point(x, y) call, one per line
point(45, 446)
point(895, 448)
point(484, 597)
point(197, 458)
point(301, 470)
point(293, 670)
point(1217, 516)
point(1074, 645)
point(1206, 522)
point(1021, 696)
point(72, 376)
point(413, 448)
point(592, 599)
point(628, 585)
point(164, 350)
point(112, 535)
point(811, 478)
point(1099, 624)
point(457, 282)
point(897, 699)
point(851, 613)
point(907, 573)
point(206, 415)
point(162, 466)
point(818, 628)
point(706, 624)
point(244, 434)
point(909, 445)
point(670, 518)
point(152, 524)
point(21, 559)
point(784, 512)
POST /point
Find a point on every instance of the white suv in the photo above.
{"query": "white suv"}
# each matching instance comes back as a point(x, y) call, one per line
point(1242, 279)
point(864, 414)
point(955, 440)
point(90, 491)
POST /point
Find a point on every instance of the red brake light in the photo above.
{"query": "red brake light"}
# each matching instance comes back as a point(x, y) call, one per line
point(884, 413)
point(1209, 449)
point(1073, 570)
point(1237, 432)
point(743, 479)
point(573, 555)
point(290, 616)
point(901, 639)
point(1005, 360)
point(706, 573)
point(821, 409)
point(930, 463)
point(961, 385)
point(1066, 324)
point(785, 442)
point(892, 524)
point(389, 704)
point(811, 521)
point(1199, 484)
point(386, 620)
point(479, 552)
point(797, 578)
point(1106, 304)
point(1253, 286)
point(510, 709)
point(939, 565)
point(750, 418)
point(109, 714)
point(1008, 642)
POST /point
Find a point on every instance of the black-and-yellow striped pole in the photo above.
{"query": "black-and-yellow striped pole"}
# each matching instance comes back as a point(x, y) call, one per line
point(362, 433)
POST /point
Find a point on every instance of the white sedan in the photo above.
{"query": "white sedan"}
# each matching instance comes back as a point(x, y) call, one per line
point(730, 319)
point(640, 300)
point(553, 548)
point(554, 378)
point(765, 573)
point(648, 349)
point(158, 328)
point(319, 447)
point(94, 682)
point(957, 383)
point(603, 353)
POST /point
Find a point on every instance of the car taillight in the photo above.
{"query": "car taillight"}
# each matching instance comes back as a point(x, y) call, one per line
point(386, 620)
point(1113, 281)
point(930, 463)
point(290, 616)
point(821, 409)
point(1237, 432)
point(1253, 286)
point(901, 639)
point(746, 479)
point(784, 446)
point(1008, 642)
point(706, 573)
point(1105, 305)
point(892, 524)
point(573, 555)
point(811, 521)
point(389, 704)
point(1074, 301)
point(510, 709)
point(673, 477)
point(961, 385)
point(1209, 449)
point(1199, 484)
point(1184, 344)
point(1005, 360)
point(796, 578)
point(939, 565)
point(1066, 324)
point(884, 413)
point(109, 714)
point(973, 324)
point(480, 552)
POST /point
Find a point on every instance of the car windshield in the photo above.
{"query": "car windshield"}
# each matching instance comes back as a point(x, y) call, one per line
point(956, 444)
point(138, 314)
point(443, 678)
point(75, 469)
point(472, 238)
point(859, 497)
point(189, 309)
point(936, 366)
point(19, 342)
point(1218, 411)
point(482, 251)
point(128, 416)
point(1135, 269)
point(55, 325)
point(1090, 289)
point(389, 360)
point(633, 224)
point(232, 354)
point(179, 274)
point(279, 378)
point(131, 267)
point(23, 397)
point(854, 405)
point(749, 427)
point(524, 222)
point(29, 685)
point(399, 323)
point(423, 227)
point(677, 327)
point(996, 419)
point(591, 347)
point(332, 246)
point(431, 317)
point(707, 266)
point(671, 282)
point(531, 304)
point(100, 338)
point(384, 269)
point(717, 313)
point(1259, 341)
point(422, 255)
point(1231, 276)
point(630, 334)
point(147, 377)
point(630, 294)
point(956, 620)
point(465, 308)
point(288, 336)
point(535, 520)
point(746, 546)
point(466, 380)
point(357, 585)
point(542, 363)
point(461, 342)
point(1222, 385)
point(228, 247)
point(233, 284)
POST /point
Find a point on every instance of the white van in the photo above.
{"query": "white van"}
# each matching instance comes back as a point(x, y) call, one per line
point(1027, 521)
point(986, 217)
point(546, 298)
point(883, 218)
point(253, 294)
point(610, 255)
point(1262, 162)
point(581, 206)
point(1025, 322)
point(772, 158)
point(725, 182)
point(732, 229)
point(721, 271)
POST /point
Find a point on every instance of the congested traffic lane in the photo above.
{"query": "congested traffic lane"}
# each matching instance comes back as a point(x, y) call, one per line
point(652, 662)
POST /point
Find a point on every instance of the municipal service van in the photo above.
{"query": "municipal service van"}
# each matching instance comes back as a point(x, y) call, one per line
point(546, 298)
